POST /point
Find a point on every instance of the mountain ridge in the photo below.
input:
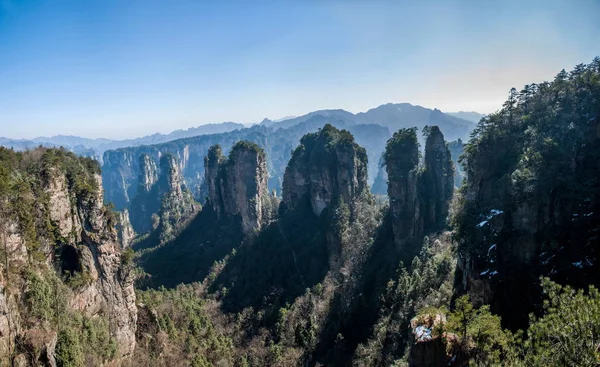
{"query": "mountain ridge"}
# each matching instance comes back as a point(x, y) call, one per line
point(390, 115)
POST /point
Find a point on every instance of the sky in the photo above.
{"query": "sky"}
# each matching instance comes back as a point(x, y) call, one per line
point(122, 69)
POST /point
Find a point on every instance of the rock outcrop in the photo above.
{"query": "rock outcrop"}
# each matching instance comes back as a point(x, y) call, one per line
point(530, 207)
point(402, 164)
point(419, 196)
point(122, 169)
point(90, 246)
point(177, 202)
point(328, 167)
point(55, 229)
point(162, 194)
point(124, 229)
point(429, 348)
point(237, 185)
point(437, 181)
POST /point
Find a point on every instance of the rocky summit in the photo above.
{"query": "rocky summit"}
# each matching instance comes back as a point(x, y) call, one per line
point(237, 184)
point(328, 167)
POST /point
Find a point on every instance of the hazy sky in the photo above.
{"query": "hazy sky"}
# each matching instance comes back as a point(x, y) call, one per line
point(125, 68)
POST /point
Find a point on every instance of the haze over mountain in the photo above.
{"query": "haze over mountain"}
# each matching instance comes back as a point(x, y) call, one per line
point(391, 116)
point(96, 147)
point(467, 115)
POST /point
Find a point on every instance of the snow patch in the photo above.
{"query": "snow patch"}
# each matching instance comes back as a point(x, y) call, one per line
point(423, 333)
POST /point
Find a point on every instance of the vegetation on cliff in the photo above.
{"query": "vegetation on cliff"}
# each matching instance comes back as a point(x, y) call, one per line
point(530, 204)
point(41, 266)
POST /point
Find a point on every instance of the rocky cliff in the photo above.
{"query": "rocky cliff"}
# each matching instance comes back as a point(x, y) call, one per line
point(177, 202)
point(124, 229)
point(163, 198)
point(61, 260)
point(419, 196)
point(237, 185)
point(122, 170)
point(328, 167)
point(530, 205)
point(402, 163)
point(437, 181)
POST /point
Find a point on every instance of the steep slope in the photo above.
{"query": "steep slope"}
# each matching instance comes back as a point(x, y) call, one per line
point(530, 203)
point(163, 202)
point(237, 185)
point(327, 168)
point(419, 196)
point(402, 163)
point(62, 274)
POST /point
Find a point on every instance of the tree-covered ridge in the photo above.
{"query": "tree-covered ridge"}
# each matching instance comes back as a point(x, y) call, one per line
point(531, 203)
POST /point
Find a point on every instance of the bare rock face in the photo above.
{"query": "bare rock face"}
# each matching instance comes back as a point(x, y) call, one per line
point(92, 246)
point(428, 349)
point(40, 345)
point(212, 162)
point(60, 225)
point(237, 186)
point(162, 192)
point(327, 167)
point(149, 173)
point(437, 181)
point(402, 163)
point(124, 229)
point(122, 169)
point(419, 196)
point(177, 203)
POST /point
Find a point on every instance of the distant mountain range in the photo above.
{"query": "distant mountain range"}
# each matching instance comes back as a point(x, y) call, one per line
point(95, 148)
point(391, 116)
point(468, 115)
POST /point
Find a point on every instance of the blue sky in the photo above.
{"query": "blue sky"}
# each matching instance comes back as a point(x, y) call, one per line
point(118, 69)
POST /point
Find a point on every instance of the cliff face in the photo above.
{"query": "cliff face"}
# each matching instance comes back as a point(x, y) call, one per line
point(92, 242)
point(530, 207)
point(328, 166)
point(148, 174)
point(123, 170)
point(124, 229)
point(237, 186)
point(177, 202)
point(212, 164)
point(437, 181)
point(59, 239)
point(402, 163)
point(419, 197)
point(162, 193)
